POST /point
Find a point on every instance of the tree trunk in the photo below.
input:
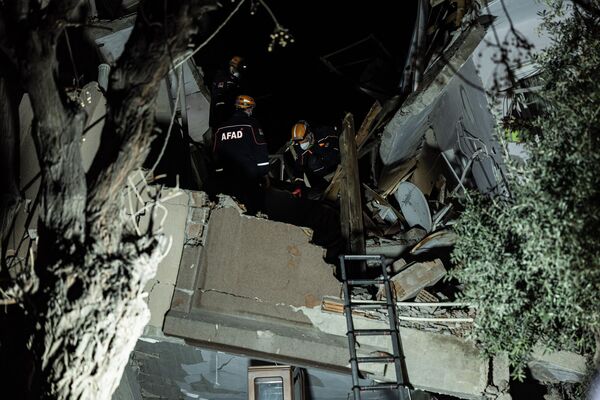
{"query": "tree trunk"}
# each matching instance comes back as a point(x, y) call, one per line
point(86, 310)
point(93, 313)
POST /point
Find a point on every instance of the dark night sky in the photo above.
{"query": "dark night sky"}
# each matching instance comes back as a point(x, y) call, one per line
point(292, 83)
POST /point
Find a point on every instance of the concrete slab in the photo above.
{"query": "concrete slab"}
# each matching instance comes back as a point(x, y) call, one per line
point(262, 267)
point(435, 363)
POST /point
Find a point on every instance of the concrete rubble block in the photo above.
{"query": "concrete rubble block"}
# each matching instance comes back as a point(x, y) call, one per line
point(555, 367)
point(409, 282)
point(501, 372)
point(425, 297)
point(398, 265)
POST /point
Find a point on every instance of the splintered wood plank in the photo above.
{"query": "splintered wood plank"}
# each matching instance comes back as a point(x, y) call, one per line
point(391, 177)
point(365, 128)
point(331, 193)
point(350, 200)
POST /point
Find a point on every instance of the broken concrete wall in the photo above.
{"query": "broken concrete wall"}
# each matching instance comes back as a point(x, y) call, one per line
point(195, 99)
point(449, 114)
point(254, 286)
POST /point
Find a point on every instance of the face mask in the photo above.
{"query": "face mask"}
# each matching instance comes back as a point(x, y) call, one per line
point(305, 145)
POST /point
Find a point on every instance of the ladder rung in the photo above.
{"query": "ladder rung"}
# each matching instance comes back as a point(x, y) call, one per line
point(372, 332)
point(368, 306)
point(379, 386)
point(380, 359)
point(357, 257)
point(365, 282)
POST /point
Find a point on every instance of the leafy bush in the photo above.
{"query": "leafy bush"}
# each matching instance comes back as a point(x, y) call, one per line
point(531, 263)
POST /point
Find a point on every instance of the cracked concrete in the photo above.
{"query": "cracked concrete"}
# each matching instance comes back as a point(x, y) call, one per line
point(182, 228)
point(269, 263)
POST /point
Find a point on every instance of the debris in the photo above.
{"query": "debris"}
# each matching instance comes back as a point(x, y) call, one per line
point(425, 297)
point(398, 266)
point(427, 170)
point(386, 213)
point(440, 186)
point(444, 238)
point(410, 237)
point(385, 247)
point(365, 129)
point(413, 205)
point(439, 216)
point(409, 282)
point(379, 202)
point(392, 177)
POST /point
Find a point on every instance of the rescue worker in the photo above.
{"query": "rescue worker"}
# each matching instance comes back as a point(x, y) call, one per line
point(225, 88)
point(241, 156)
point(317, 154)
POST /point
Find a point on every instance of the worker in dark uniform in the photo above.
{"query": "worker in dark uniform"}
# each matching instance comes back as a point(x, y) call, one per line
point(225, 88)
point(241, 156)
point(317, 154)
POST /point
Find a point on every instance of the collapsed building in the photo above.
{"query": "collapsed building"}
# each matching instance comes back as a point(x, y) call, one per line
point(236, 291)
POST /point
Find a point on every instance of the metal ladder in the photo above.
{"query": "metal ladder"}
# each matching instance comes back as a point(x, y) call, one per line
point(401, 384)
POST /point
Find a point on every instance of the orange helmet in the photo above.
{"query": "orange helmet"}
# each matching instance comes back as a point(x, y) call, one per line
point(300, 130)
point(244, 102)
point(236, 61)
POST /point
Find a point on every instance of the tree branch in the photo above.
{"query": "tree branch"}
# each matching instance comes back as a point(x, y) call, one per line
point(57, 125)
point(162, 31)
point(589, 6)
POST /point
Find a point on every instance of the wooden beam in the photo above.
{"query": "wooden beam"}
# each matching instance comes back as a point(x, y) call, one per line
point(364, 132)
point(350, 200)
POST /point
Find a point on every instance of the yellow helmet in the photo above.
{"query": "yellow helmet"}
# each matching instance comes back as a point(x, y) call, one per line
point(243, 102)
point(299, 130)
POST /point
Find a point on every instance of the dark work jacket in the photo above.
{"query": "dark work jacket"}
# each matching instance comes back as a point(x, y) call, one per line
point(241, 160)
point(321, 158)
point(225, 88)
